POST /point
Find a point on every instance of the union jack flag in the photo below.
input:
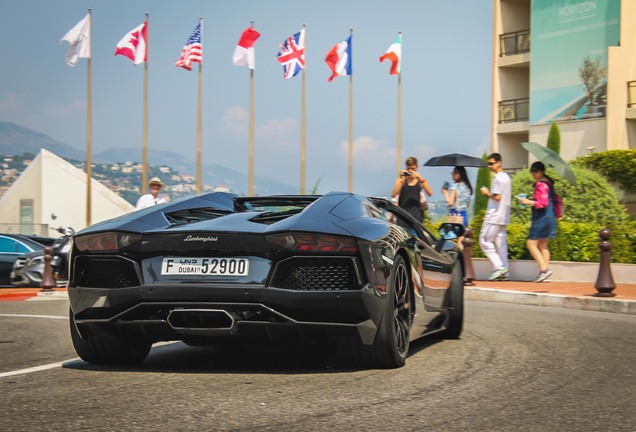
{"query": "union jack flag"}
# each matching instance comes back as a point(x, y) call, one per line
point(292, 54)
point(192, 51)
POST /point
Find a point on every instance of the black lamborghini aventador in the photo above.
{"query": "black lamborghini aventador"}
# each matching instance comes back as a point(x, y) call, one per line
point(357, 273)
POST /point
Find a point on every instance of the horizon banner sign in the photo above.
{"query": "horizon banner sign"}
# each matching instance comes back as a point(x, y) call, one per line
point(568, 58)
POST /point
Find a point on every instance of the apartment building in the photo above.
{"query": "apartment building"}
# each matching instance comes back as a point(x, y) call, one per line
point(570, 62)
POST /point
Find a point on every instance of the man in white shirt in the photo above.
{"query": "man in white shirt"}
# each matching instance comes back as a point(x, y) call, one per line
point(492, 238)
point(152, 198)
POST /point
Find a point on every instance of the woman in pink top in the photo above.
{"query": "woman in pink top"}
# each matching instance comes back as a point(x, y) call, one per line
point(543, 226)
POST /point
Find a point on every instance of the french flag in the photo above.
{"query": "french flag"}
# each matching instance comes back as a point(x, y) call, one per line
point(339, 59)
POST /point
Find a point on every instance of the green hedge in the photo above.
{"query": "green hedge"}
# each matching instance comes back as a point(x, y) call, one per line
point(575, 241)
point(617, 166)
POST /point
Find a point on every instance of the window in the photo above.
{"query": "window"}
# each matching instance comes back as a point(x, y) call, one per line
point(26, 216)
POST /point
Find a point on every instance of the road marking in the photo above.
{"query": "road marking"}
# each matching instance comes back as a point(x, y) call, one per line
point(34, 316)
point(41, 368)
point(36, 368)
point(69, 362)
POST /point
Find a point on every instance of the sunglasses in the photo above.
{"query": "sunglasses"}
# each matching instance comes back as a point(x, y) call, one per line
point(491, 163)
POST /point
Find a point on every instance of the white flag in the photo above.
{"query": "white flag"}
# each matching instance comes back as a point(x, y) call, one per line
point(79, 38)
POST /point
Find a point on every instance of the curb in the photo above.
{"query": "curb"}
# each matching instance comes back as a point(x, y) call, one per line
point(31, 295)
point(608, 304)
point(50, 295)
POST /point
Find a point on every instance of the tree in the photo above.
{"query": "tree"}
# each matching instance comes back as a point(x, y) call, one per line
point(554, 138)
point(314, 190)
point(483, 179)
point(592, 72)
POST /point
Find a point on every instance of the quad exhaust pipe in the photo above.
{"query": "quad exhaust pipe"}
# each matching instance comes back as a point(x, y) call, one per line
point(200, 319)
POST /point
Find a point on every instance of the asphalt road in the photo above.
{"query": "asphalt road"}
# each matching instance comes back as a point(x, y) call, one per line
point(522, 368)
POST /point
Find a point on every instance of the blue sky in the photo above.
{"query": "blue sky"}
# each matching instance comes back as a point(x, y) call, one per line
point(446, 75)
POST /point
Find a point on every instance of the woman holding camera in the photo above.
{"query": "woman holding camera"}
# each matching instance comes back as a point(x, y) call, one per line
point(407, 188)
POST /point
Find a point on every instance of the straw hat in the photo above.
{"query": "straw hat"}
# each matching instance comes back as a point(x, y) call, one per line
point(155, 180)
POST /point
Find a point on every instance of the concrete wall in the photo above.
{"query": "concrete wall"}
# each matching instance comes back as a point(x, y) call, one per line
point(562, 271)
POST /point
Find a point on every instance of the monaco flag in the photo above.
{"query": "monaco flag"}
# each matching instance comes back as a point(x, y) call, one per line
point(244, 51)
point(133, 45)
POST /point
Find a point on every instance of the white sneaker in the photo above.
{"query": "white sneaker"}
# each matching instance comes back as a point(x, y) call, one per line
point(543, 276)
point(497, 274)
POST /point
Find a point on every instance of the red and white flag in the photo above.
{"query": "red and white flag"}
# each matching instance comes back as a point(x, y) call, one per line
point(394, 54)
point(134, 44)
point(244, 51)
point(192, 51)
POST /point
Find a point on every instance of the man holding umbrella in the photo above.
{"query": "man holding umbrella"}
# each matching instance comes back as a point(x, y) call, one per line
point(492, 238)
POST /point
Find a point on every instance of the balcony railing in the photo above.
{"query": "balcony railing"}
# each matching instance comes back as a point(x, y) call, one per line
point(631, 94)
point(514, 43)
point(514, 110)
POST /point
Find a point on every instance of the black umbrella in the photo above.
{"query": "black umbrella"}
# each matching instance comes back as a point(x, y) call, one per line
point(456, 159)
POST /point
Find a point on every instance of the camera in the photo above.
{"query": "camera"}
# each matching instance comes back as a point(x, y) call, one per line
point(406, 173)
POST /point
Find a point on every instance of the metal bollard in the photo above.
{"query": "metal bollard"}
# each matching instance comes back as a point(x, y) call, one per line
point(47, 283)
point(604, 281)
point(469, 271)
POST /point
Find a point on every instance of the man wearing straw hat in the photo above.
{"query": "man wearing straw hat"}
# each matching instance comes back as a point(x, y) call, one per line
point(152, 198)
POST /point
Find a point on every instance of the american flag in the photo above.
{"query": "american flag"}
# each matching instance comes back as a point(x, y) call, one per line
point(192, 51)
point(292, 54)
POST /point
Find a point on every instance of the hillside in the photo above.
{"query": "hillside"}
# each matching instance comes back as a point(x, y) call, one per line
point(16, 140)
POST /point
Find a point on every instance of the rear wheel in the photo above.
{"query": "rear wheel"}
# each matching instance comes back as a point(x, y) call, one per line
point(391, 345)
point(104, 348)
point(455, 305)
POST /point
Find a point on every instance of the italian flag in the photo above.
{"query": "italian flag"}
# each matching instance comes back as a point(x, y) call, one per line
point(394, 53)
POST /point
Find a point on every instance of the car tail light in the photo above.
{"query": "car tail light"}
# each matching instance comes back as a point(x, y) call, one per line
point(107, 241)
point(308, 242)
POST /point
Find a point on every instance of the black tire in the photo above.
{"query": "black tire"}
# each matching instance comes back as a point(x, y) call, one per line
point(455, 305)
point(391, 344)
point(103, 348)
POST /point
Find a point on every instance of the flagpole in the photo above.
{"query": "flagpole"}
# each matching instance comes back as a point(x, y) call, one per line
point(399, 119)
point(144, 151)
point(89, 123)
point(351, 126)
point(303, 127)
point(251, 162)
point(199, 116)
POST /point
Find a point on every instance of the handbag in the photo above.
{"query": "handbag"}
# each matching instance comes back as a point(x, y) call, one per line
point(458, 219)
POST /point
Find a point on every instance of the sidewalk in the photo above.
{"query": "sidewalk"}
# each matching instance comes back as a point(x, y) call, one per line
point(573, 295)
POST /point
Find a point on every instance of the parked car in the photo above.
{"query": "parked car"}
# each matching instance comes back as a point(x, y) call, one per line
point(13, 246)
point(28, 269)
point(216, 266)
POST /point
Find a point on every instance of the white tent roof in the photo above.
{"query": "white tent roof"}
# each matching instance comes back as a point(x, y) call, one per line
point(55, 186)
